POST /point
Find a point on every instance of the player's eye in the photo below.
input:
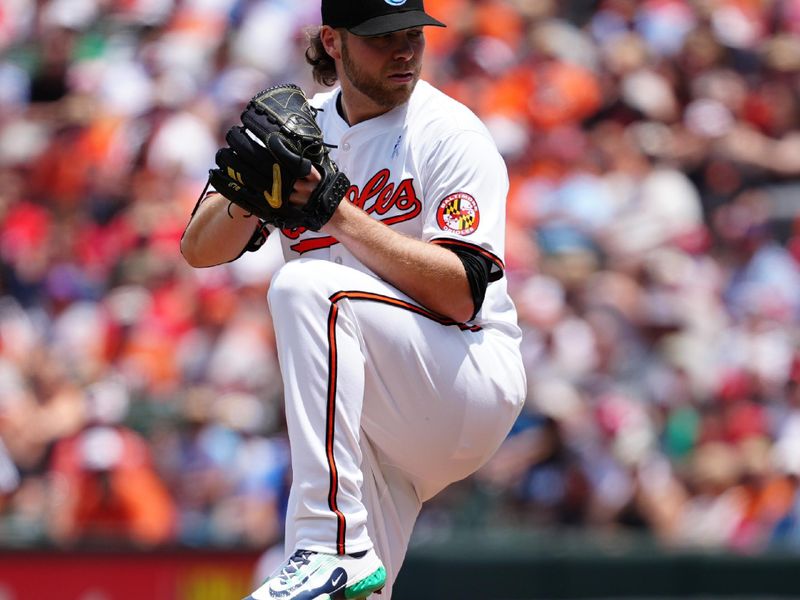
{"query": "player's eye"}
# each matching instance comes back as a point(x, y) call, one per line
point(379, 41)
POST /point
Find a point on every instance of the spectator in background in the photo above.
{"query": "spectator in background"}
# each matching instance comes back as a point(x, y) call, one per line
point(109, 492)
point(229, 481)
point(106, 490)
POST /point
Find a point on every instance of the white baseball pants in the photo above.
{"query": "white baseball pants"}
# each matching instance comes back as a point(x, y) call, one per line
point(386, 404)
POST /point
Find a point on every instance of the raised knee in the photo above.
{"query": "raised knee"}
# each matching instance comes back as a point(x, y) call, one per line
point(296, 280)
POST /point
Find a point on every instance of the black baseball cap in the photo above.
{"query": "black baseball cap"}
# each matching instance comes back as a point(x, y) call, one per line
point(376, 17)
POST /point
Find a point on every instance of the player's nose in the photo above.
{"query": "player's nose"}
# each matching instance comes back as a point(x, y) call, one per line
point(403, 49)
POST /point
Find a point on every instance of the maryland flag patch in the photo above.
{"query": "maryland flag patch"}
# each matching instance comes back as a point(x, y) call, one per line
point(458, 213)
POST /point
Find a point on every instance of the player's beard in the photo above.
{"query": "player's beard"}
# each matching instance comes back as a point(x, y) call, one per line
point(380, 91)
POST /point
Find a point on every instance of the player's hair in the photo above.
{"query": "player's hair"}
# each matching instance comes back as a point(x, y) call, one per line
point(323, 67)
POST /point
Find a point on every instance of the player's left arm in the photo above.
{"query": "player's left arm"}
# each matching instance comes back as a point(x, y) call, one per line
point(218, 232)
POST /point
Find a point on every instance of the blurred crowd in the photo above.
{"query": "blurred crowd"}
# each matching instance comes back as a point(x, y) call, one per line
point(653, 251)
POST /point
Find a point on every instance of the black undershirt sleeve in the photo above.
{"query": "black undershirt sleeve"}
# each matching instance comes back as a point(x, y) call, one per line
point(477, 267)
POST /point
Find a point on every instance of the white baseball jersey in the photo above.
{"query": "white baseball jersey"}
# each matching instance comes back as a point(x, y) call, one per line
point(386, 402)
point(430, 170)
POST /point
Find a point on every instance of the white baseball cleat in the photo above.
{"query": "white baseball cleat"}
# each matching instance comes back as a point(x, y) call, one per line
point(310, 575)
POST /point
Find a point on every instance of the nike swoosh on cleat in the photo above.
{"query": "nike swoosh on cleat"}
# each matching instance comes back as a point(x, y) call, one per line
point(338, 579)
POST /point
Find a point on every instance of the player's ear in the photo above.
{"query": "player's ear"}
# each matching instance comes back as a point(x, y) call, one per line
point(332, 41)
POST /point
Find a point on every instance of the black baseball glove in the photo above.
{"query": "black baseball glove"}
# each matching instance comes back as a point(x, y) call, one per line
point(278, 143)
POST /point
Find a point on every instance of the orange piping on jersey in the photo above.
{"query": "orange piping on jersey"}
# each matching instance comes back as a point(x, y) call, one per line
point(341, 522)
point(442, 320)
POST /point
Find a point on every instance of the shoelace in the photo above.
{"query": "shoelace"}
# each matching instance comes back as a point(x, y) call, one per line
point(296, 561)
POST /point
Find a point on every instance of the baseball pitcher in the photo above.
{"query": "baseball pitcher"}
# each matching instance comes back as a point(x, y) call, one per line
point(397, 340)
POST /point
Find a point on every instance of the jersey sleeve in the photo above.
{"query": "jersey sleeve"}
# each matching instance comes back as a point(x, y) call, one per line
point(464, 191)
